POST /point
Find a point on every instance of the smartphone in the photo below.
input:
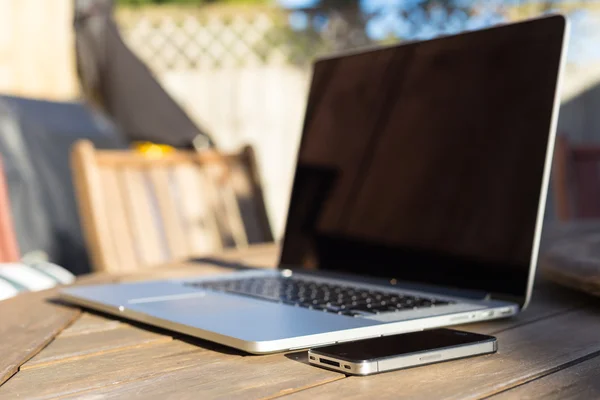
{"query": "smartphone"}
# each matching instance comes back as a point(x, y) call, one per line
point(387, 353)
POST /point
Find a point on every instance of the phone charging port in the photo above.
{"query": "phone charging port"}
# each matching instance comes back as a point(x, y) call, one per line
point(329, 362)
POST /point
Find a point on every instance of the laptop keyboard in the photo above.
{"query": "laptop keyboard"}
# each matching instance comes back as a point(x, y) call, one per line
point(320, 296)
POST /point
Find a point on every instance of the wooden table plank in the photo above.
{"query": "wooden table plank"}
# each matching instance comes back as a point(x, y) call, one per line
point(525, 353)
point(581, 381)
point(88, 373)
point(28, 323)
point(89, 323)
point(251, 377)
point(538, 342)
point(174, 368)
point(66, 348)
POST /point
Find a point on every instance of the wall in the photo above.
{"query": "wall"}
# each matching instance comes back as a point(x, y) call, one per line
point(36, 49)
point(579, 117)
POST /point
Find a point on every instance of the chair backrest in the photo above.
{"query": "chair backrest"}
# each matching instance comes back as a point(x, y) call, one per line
point(139, 211)
point(576, 180)
point(9, 249)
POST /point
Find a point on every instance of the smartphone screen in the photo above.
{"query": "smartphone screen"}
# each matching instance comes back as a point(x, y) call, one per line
point(389, 346)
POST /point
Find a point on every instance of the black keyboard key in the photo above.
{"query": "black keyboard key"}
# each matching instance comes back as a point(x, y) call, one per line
point(334, 309)
point(340, 306)
point(407, 302)
point(325, 297)
point(401, 306)
point(424, 303)
point(351, 304)
point(352, 313)
point(366, 308)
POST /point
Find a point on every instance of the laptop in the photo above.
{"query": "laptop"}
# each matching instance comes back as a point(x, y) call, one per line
point(417, 201)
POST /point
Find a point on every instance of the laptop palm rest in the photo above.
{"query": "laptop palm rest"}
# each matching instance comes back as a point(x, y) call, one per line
point(233, 316)
point(248, 319)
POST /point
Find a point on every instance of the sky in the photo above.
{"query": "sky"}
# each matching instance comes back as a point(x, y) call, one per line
point(585, 26)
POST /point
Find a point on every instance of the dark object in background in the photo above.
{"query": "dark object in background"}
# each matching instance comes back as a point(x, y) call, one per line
point(576, 179)
point(115, 79)
point(35, 142)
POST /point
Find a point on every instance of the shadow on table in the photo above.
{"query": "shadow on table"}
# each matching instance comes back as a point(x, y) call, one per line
point(207, 345)
point(194, 341)
point(298, 356)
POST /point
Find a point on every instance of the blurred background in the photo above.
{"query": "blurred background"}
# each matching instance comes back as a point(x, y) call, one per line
point(230, 72)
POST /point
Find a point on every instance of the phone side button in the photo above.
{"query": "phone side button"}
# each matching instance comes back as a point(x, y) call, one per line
point(431, 357)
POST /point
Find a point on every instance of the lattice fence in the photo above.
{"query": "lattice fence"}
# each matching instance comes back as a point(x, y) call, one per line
point(216, 37)
point(180, 38)
point(188, 38)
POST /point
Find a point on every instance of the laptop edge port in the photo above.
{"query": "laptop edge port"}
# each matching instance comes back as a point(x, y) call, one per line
point(329, 362)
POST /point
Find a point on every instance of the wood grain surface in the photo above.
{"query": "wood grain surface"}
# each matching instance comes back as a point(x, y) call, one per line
point(549, 350)
point(122, 240)
point(73, 346)
point(242, 378)
point(575, 262)
point(61, 379)
point(28, 323)
point(31, 321)
point(582, 381)
point(90, 323)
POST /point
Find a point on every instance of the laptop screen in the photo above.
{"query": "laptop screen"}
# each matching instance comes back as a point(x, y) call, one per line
point(424, 162)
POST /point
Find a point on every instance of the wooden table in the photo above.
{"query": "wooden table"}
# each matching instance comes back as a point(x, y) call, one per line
point(54, 351)
point(572, 255)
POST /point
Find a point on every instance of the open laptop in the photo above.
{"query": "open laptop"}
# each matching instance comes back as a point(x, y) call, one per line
point(417, 200)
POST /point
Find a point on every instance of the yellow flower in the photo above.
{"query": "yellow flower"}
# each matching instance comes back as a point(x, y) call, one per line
point(153, 150)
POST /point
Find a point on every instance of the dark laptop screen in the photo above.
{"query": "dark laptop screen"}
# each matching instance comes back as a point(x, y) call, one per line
point(424, 162)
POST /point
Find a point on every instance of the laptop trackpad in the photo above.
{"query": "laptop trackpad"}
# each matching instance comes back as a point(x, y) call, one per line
point(243, 317)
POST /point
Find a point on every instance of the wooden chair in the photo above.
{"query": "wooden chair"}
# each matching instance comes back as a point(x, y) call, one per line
point(576, 180)
point(139, 211)
point(9, 249)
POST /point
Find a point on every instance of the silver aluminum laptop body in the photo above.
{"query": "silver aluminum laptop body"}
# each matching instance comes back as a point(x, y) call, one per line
point(422, 173)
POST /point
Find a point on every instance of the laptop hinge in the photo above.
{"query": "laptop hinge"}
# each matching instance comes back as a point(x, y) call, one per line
point(507, 298)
